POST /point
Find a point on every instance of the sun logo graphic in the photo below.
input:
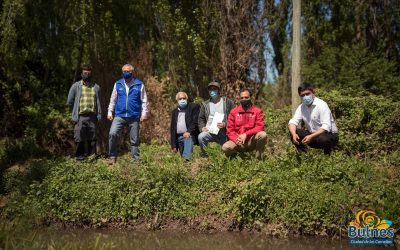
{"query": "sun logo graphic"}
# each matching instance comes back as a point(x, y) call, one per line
point(369, 229)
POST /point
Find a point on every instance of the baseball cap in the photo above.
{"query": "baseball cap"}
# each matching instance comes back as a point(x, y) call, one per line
point(216, 84)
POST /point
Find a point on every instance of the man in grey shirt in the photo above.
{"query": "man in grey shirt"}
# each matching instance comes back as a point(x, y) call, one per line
point(208, 109)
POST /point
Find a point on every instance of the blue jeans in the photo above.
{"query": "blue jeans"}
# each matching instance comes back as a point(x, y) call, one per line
point(116, 127)
point(206, 137)
point(185, 147)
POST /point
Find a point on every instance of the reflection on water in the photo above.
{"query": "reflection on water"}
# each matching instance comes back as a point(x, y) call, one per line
point(125, 239)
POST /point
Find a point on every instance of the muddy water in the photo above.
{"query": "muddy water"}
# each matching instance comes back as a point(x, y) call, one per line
point(123, 239)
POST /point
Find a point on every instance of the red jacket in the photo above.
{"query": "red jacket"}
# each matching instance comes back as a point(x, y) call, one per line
point(249, 122)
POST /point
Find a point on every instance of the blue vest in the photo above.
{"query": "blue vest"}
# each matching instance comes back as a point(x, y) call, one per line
point(131, 105)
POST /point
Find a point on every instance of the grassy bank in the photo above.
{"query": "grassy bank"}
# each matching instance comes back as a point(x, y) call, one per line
point(278, 194)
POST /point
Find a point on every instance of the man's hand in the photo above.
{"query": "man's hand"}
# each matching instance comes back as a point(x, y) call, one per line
point(241, 139)
point(307, 139)
point(296, 139)
point(204, 129)
point(220, 125)
point(186, 135)
point(110, 117)
point(174, 150)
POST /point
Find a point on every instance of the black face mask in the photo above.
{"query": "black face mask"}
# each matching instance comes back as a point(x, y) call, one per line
point(86, 77)
point(246, 104)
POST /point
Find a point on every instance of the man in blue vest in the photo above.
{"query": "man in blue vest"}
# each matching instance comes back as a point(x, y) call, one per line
point(128, 102)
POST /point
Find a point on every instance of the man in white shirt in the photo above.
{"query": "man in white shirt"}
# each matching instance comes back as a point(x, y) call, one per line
point(320, 127)
point(128, 102)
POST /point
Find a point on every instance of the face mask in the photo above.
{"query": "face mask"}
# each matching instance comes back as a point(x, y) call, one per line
point(127, 75)
point(213, 93)
point(307, 100)
point(182, 103)
point(86, 77)
point(246, 103)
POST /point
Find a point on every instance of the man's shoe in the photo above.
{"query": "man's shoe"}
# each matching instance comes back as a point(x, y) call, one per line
point(327, 151)
point(111, 160)
point(258, 155)
point(301, 149)
point(204, 155)
point(135, 161)
point(80, 158)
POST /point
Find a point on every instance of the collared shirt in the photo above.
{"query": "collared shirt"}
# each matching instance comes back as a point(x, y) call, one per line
point(181, 123)
point(87, 102)
point(316, 116)
point(143, 97)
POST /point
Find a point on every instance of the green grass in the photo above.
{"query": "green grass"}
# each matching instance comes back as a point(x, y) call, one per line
point(318, 196)
point(315, 197)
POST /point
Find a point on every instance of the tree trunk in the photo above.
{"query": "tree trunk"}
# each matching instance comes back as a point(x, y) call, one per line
point(296, 78)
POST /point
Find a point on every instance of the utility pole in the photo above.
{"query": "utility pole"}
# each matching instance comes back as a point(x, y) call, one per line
point(296, 67)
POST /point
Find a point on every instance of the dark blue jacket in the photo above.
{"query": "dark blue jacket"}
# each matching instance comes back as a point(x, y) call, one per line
point(131, 105)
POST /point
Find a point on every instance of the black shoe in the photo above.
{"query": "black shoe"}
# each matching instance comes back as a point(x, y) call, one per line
point(203, 155)
point(327, 151)
point(301, 149)
point(80, 158)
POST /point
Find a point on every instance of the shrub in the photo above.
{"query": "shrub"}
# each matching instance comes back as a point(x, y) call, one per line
point(368, 125)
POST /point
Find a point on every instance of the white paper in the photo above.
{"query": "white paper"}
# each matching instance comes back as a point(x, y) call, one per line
point(218, 117)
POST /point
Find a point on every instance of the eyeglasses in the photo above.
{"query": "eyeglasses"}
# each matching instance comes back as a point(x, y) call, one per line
point(126, 71)
point(244, 97)
point(182, 98)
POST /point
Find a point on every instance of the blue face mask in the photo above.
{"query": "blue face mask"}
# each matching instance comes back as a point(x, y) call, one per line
point(182, 103)
point(213, 93)
point(307, 100)
point(127, 75)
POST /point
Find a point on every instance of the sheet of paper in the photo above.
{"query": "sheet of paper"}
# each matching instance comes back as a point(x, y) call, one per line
point(218, 117)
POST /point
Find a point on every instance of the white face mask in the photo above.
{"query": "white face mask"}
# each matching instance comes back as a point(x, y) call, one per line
point(182, 103)
point(213, 93)
point(307, 100)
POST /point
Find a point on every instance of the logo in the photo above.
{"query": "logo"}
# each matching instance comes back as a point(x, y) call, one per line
point(369, 229)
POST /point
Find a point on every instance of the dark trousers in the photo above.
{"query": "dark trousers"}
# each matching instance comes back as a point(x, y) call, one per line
point(326, 141)
point(85, 135)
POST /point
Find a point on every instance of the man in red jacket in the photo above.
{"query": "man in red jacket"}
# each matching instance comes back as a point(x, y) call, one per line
point(245, 128)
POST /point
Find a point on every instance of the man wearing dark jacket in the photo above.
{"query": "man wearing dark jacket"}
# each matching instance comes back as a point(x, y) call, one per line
point(184, 126)
point(84, 101)
point(216, 104)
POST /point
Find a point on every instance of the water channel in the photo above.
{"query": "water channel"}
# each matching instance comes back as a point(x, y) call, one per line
point(146, 240)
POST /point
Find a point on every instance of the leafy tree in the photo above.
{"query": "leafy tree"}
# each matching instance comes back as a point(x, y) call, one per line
point(355, 69)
